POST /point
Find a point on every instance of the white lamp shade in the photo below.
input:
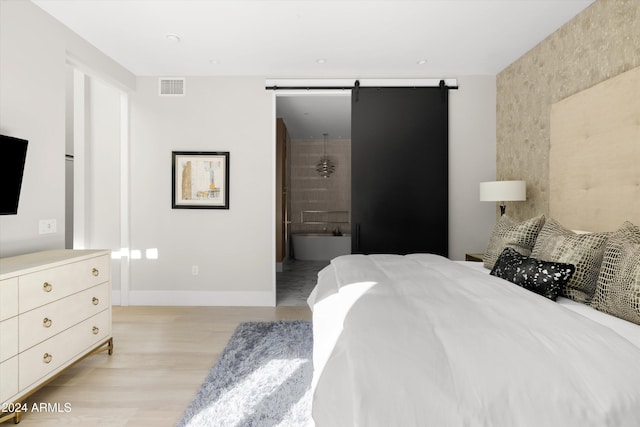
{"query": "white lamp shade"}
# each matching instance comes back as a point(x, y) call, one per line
point(503, 191)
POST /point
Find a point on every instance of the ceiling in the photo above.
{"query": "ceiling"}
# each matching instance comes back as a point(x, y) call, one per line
point(314, 38)
point(309, 117)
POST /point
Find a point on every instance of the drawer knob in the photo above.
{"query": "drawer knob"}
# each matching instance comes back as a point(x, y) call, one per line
point(95, 272)
point(47, 287)
point(47, 358)
point(95, 301)
point(95, 330)
point(46, 322)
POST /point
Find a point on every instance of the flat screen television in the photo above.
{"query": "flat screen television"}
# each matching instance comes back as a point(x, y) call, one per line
point(13, 152)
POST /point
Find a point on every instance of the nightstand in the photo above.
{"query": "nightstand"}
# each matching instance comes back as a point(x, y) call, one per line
point(473, 257)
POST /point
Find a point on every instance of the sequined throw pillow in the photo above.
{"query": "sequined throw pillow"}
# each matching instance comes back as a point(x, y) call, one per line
point(542, 277)
point(618, 286)
point(585, 251)
point(508, 233)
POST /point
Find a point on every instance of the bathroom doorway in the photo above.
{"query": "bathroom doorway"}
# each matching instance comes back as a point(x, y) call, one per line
point(318, 126)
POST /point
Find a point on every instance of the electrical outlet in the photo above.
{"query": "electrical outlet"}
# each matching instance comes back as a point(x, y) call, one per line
point(47, 226)
point(194, 270)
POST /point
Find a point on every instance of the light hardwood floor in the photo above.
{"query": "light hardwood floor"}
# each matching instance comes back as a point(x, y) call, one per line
point(161, 356)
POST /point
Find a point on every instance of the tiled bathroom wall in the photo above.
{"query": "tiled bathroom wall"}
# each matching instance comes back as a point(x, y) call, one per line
point(308, 191)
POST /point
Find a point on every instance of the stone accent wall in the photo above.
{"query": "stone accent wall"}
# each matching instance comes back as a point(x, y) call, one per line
point(599, 43)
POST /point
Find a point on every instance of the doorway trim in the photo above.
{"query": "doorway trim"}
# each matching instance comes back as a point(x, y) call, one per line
point(81, 81)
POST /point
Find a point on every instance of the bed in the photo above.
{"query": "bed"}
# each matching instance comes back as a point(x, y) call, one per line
point(420, 340)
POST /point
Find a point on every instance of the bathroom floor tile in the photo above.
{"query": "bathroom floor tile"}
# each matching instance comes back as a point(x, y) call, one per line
point(296, 282)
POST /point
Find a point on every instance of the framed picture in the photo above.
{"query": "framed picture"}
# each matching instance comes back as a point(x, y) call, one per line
point(200, 179)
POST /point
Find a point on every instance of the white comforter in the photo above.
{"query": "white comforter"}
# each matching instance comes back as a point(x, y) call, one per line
point(419, 340)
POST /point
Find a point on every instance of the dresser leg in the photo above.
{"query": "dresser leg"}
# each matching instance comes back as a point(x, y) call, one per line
point(16, 416)
point(110, 346)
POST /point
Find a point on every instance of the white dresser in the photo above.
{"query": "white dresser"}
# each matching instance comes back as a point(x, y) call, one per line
point(55, 309)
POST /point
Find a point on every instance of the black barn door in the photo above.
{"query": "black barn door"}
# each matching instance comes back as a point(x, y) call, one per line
point(399, 184)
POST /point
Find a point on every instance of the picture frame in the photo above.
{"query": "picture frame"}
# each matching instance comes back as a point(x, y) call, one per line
point(200, 180)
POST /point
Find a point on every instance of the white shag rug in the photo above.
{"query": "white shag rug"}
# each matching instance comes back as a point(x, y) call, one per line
point(262, 378)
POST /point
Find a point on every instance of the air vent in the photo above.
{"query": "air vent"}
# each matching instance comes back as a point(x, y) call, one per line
point(172, 86)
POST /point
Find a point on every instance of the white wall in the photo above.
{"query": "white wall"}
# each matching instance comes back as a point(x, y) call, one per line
point(34, 49)
point(472, 159)
point(233, 249)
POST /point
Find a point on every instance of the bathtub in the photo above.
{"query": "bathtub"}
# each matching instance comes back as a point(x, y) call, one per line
point(319, 246)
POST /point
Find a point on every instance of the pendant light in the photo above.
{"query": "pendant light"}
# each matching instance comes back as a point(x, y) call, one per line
point(325, 167)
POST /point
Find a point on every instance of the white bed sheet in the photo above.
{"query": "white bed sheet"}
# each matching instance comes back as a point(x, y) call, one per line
point(435, 343)
point(626, 329)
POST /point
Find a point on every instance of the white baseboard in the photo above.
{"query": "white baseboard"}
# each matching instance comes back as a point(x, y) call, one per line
point(198, 298)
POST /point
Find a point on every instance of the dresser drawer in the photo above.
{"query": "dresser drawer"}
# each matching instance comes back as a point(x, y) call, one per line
point(42, 287)
point(8, 298)
point(8, 338)
point(8, 379)
point(44, 322)
point(43, 359)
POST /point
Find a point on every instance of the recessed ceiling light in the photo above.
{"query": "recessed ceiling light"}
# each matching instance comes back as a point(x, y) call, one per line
point(321, 60)
point(421, 62)
point(214, 61)
point(173, 38)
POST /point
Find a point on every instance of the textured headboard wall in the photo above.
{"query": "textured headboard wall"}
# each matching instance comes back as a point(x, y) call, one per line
point(594, 157)
point(598, 44)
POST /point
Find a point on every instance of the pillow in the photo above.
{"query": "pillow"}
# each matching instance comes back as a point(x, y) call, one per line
point(618, 286)
point(511, 234)
point(585, 251)
point(542, 277)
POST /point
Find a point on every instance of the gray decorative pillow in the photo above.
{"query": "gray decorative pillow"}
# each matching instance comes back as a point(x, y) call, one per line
point(508, 233)
point(618, 286)
point(585, 251)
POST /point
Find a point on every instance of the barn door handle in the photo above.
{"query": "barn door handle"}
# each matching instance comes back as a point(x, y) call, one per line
point(357, 237)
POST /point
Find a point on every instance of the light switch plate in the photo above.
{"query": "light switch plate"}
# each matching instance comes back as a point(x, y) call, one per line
point(47, 226)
